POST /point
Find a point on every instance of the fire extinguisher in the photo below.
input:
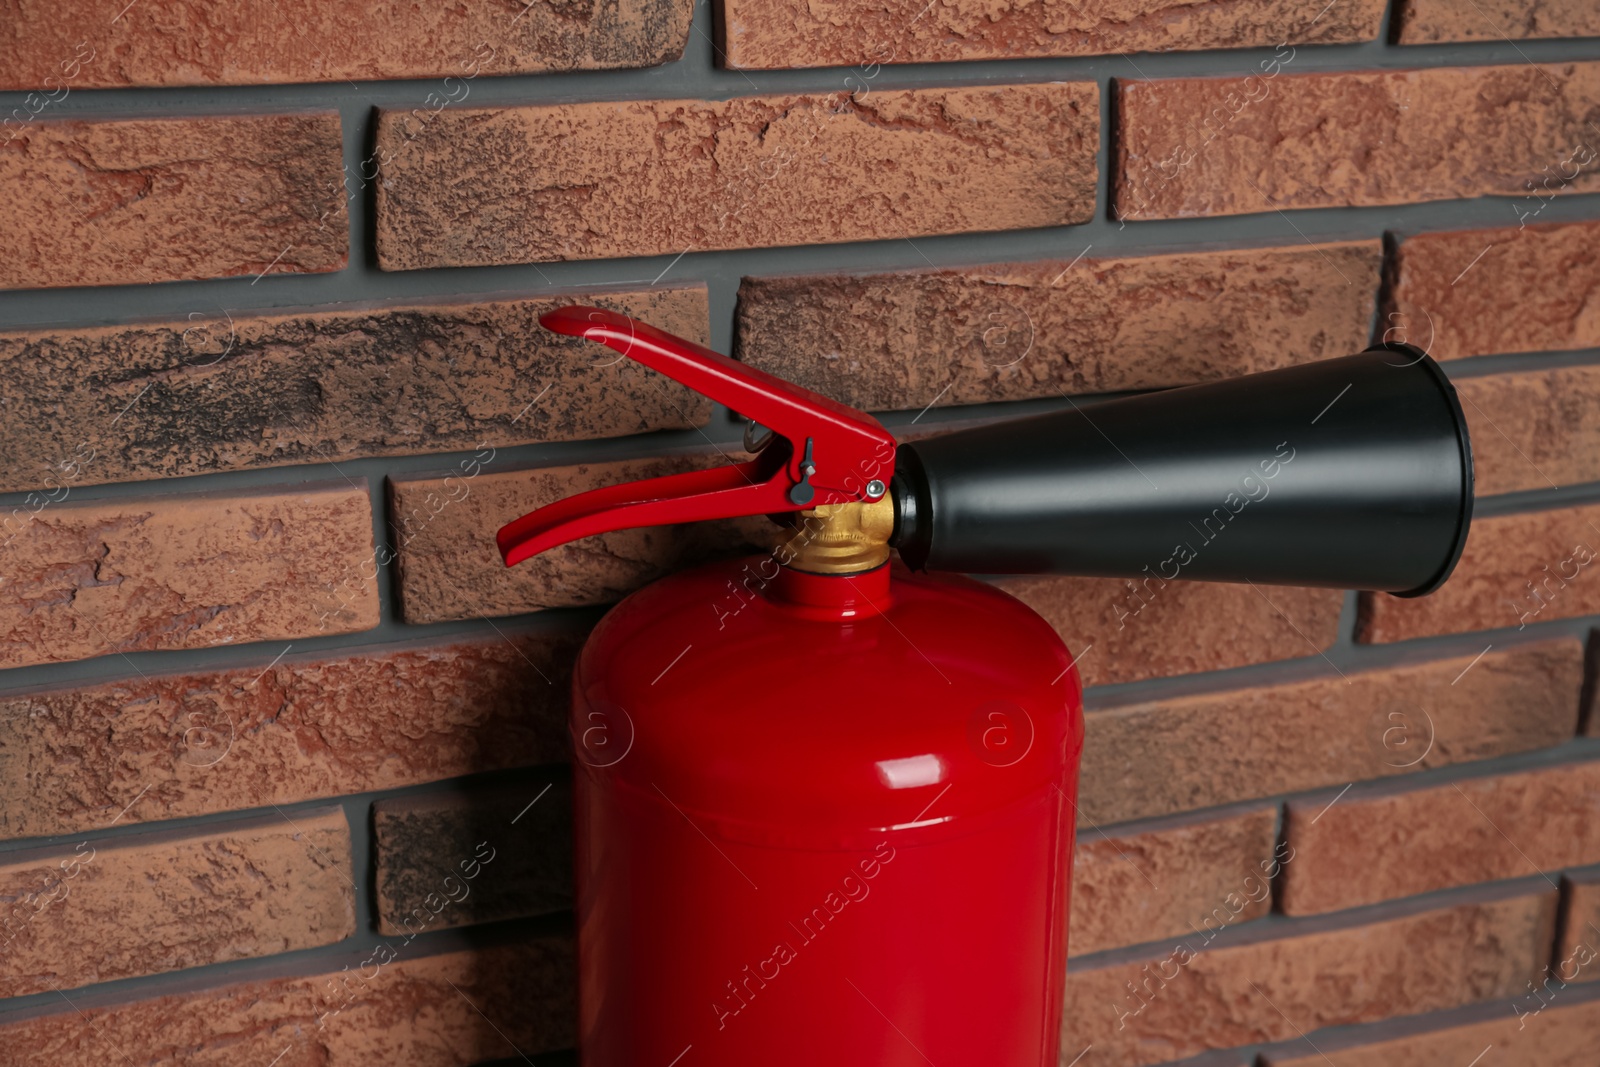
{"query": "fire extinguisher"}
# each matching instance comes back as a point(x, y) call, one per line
point(825, 802)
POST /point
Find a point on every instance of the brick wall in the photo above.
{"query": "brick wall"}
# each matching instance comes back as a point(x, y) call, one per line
point(282, 765)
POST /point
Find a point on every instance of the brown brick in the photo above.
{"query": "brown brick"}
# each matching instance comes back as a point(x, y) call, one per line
point(1120, 637)
point(1533, 430)
point(1561, 1036)
point(133, 201)
point(1187, 752)
point(451, 1010)
point(166, 746)
point(1230, 146)
point(1485, 292)
point(191, 42)
point(1366, 849)
point(1577, 956)
point(1012, 331)
point(167, 399)
point(647, 177)
point(1132, 887)
point(269, 886)
point(1273, 990)
point(771, 34)
point(452, 859)
point(188, 571)
point(1515, 570)
point(1578, 949)
point(1429, 21)
point(450, 570)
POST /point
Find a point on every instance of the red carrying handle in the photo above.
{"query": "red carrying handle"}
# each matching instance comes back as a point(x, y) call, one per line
point(833, 455)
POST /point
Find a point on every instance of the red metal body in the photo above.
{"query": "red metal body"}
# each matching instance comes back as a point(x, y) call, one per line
point(823, 820)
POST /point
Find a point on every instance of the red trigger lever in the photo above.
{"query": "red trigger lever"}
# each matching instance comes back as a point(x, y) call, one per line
point(823, 452)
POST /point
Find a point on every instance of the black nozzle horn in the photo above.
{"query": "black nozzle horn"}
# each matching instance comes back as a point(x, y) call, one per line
point(1354, 473)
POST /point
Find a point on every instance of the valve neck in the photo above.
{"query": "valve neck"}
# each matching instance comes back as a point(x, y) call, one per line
point(839, 539)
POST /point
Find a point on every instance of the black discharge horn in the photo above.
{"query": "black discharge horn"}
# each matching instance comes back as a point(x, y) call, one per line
point(1354, 473)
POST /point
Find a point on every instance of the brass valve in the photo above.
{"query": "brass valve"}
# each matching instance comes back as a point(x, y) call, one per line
point(840, 538)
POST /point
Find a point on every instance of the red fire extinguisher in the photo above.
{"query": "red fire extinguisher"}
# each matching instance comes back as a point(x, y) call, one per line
point(825, 802)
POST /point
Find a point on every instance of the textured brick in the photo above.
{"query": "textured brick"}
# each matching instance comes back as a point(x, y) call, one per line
point(1563, 1035)
point(1429, 21)
point(1227, 146)
point(1187, 752)
point(1119, 636)
point(167, 399)
point(769, 34)
point(1577, 956)
point(491, 854)
point(647, 177)
point(156, 200)
point(1516, 570)
point(1366, 849)
point(192, 571)
point(1534, 288)
point(300, 728)
point(391, 1007)
point(450, 570)
point(250, 42)
point(270, 886)
point(1013, 331)
point(1220, 996)
point(1132, 887)
point(1533, 430)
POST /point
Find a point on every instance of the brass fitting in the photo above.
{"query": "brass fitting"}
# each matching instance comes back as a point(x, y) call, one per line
point(840, 538)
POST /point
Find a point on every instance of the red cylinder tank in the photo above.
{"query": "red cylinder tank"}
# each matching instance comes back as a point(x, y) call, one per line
point(823, 819)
